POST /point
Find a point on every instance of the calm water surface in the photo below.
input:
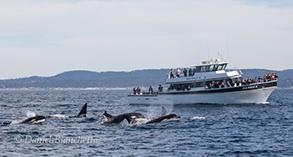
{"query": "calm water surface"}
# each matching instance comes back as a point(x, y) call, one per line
point(204, 130)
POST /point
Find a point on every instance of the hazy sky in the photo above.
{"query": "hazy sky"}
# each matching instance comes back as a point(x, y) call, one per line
point(45, 38)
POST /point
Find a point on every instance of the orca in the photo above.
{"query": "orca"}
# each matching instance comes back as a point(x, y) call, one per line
point(31, 120)
point(164, 117)
point(34, 120)
point(139, 121)
point(119, 118)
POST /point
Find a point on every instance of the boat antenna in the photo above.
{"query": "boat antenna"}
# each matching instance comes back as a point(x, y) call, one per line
point(218, 45)
point(227, 44)
point(208, 51)
point(220, 56)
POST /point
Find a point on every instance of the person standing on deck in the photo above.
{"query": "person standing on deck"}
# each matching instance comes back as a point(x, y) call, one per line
point(190, 72)
point(178, 72)
point(185, 72)
point(151, 90)
point(171, 74)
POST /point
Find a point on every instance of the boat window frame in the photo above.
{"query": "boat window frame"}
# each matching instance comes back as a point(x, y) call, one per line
point(211, 67)
point(224, 66)
point(221, 67)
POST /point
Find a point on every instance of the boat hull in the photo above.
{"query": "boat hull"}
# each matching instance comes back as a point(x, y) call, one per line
point(250, 94)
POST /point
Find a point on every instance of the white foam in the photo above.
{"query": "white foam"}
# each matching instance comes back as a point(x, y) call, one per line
point(139, 121)
point(60, 116)
point(124, 123)
point(15, 122)
point(30, 114)
point(193, 118)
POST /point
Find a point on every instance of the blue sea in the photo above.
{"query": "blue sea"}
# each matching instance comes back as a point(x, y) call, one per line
point(204, 129)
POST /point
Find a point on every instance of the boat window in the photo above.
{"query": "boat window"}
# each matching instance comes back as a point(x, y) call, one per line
point(224, 66)
point(198, 84)
point(220, 66)
point(198, 69)
point(211, 68)
point(208, 83)
point(205, 68)
point(215, 67)
point(220, 81)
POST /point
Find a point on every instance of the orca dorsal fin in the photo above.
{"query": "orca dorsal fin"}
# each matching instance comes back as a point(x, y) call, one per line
point(82, 113)
point(164, 111)
point(107, 114)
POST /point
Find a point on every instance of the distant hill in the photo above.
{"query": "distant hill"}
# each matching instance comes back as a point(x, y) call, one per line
point(150, 77)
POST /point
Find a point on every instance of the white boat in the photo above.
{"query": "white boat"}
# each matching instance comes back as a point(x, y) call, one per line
point(209, 83)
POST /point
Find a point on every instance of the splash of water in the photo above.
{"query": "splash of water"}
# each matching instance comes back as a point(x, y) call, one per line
point(60, 116)
point(30, 114)
point(193, 118)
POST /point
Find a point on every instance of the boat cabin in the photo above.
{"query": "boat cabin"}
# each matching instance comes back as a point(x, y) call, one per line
point(208, 66)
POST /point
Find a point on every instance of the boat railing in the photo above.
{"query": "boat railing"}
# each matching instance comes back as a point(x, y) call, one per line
point(145, 93)
point(240, 84)
point(235, 85)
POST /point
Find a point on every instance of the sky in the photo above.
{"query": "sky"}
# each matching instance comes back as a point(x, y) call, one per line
point(48, 37)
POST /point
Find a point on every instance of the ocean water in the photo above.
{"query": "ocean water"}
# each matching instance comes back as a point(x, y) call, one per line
point(204, 130)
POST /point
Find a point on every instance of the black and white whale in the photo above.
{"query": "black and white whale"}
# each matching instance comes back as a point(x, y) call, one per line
point(119, 118)
point(34, 120)
point(140, 121)
point(31, 120)
point(164, 117)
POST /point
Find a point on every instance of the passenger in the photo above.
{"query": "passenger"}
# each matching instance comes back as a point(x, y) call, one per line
point(243, 82)
point(222, 85)
point(228, 84)
point(232, 83)
point(185, 72)
point(138, 90)
point(151, 90)
point(178, 72)
point(259, 79)
point(171, 74)
point(179, 88)
point(216, 84)
point(248, 81)
point(273, 76)
point(268, 77)
point(134, 90)
point(194, 70)
point(183, 87)
point(206, 87)
point(160, 88)
point(256, 80)
point(276, 76)
point(190, 72)
point(188, 87)
point(211, 86)
point(238, 82)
